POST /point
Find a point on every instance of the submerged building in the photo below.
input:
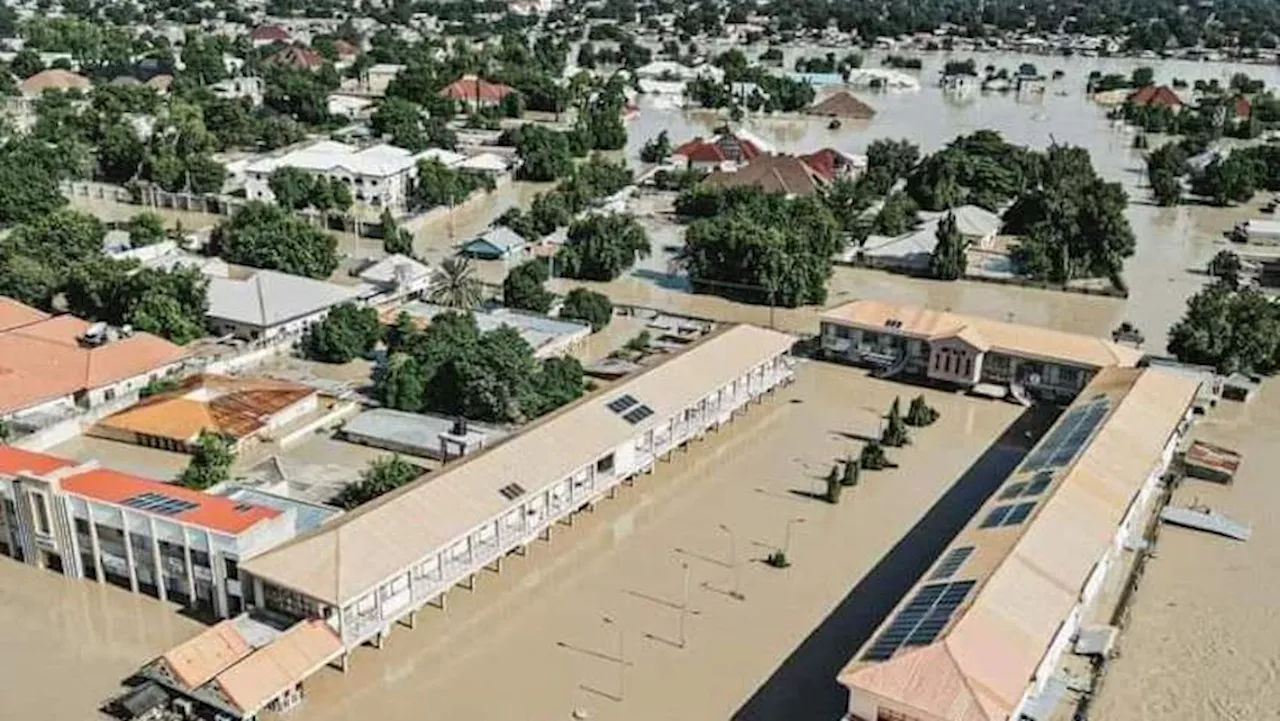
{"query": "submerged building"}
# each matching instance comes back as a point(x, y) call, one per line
point(382, 563)
point(968, 350)
point(983, 633)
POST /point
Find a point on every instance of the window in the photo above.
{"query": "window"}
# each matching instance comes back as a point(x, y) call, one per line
point(40, 511)
point(605, 465)
point(233, 569)
point(885, 714)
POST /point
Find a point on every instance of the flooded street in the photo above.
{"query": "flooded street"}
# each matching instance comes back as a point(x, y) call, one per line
point(531, 642)
point(68, 644)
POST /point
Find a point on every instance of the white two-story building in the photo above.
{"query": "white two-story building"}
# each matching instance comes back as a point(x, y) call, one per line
point(379, 176)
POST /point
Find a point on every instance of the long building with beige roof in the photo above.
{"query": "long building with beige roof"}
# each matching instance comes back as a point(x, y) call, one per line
point(981, 635)
point(386, 560)
point(968, 350)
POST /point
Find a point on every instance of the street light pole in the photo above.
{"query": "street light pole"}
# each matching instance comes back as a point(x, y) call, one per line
point(786, 542)
point(622, 657)
point(684, 604)
point(736, 593)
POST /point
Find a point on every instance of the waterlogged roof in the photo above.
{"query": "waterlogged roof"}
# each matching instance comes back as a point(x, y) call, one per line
point(1027, 576)
point(353, 554)
point(985, 334)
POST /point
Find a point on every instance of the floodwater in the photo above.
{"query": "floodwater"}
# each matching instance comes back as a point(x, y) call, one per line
point(532, 641)
point(67, 644)
point(1202, 637)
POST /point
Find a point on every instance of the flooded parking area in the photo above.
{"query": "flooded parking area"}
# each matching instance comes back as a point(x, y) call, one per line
point(598, 621)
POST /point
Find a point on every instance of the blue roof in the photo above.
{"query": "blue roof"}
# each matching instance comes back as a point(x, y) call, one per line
point(817, 78)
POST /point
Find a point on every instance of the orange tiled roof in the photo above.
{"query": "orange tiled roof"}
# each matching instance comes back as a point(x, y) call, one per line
point(470, 88)
point(232, 407)
point(209, 511)
point(54, 79)
point(42, 359)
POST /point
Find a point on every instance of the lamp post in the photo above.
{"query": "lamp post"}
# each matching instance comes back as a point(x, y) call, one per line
point(736, 593)
point(786, 541)
point(622, 655)
point(684, 602)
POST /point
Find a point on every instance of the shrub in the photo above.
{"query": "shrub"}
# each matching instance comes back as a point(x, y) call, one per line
point(872, 457)
point(920, 413)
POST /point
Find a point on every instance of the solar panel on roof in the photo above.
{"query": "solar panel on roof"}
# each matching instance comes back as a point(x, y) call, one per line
point(995, 517)
point(159, 503)
point(621, 403)
point(637, 414)
point(511, 491)
point(951, 563)
point(1039, 484)
point(1013, 490)
point(1018, 513)
point(1070, 434)
point(921, 620)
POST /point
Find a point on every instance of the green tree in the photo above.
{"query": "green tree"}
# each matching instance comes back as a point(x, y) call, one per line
point(145, 228)
point(895, 431)
point(588, 306)
point(1225, 181)
point(380, 477)
point(400, 383)
point(267, 236)
point(348, 332)
point(26, 63)
point(28, 187)
point(523, 288)
point(458, 286)
point(1226, 267)
point(872, 457)
point(602, 246)
point(920, 413)
point(897, 215)
point(210, 463)
point(948, 259)
point(401, 121)
point(394, 238)
point(559, 382)
point(292, 187)
point(656, 150)
point(1231, 330)
point(120, 153)
point(544, 154)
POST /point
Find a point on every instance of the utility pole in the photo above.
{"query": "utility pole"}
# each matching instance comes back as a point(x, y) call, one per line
point(786, 541)
point(736, 593)
point(684, 603)
point(622, 656)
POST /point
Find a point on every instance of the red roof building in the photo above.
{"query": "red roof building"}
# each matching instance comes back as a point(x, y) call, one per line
point(830, 164)
point(475, 91)
point(158, 538)
point(1159, 96)
point(1242, 108)
point(723, 148)
point(297, 58)
point(267, 34)
point(344, 49)
point(782, 174)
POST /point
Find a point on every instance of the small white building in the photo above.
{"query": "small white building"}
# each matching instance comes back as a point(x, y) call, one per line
point(270, 306)
point(395, 278)
point(379, 176)
point(234, 88)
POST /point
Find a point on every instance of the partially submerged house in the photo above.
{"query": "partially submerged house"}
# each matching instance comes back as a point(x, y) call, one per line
point(842, 104)
point(497, 243)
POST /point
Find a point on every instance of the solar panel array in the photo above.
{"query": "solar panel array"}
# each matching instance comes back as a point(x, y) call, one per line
point(1010, 514)
point(1027, 489)
point(951, 563)
point(159, 503)
point(1068, 436)
point(512, 491)
point(921, 620)
point(621, 403)
point(637, 414)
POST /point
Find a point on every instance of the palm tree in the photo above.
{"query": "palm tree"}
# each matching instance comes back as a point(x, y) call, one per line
point(458, 286)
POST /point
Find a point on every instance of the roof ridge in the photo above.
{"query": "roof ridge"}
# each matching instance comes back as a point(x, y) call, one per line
point(968, 681)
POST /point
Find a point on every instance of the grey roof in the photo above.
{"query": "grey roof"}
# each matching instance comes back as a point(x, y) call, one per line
point(269, 298)
point(387, 271)
point(537, 330)
point(414, 430)
point(502, 238)
point(307, 517)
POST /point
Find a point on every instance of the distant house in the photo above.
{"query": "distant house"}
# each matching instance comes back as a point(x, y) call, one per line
point(346, 51)
point(833, 164)
point(790, 175)
point(53, 79)
point(379, 176)
point(272, 306)
point(497, 243)
point(297, 58)
point(724, 148)
point(160, 83)
point(269, 34)
point(475, 92)
point(234, 88)
point(548, 337)
point(395, 278)
point(842, 104)
point(912, 251)
point(1155, 96)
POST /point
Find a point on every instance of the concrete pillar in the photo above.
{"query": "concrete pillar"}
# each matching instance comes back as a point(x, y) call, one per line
point(155, 556)
point(411, 620)
point(344, 662)
point(377, 640)
point(93, 542)
point(128, 553)
point(471, 582)
point(191, 574)
point(440, 600)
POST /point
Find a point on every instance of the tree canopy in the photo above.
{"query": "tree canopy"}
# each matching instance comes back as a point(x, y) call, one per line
point(348, 332)
point(210, 463)
point(1229, 329)
point(523, 289)
point(266, 236)
point(601, 246)
point(948, 259)
point(588, 306)
point(380, 477)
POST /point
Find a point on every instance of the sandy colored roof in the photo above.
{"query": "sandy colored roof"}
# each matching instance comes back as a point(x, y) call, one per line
point(985, 334)
point(252, 683)
point(843, 104)
point(786, 174)
point(232, 407)
point(197, 661)
point(1030, 576)
point(350, 556)
point(14, 314)
point(54, 79)
point(43, 360)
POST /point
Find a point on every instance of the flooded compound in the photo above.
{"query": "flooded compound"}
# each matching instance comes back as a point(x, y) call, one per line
point(68, 643)
point(533, 641)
